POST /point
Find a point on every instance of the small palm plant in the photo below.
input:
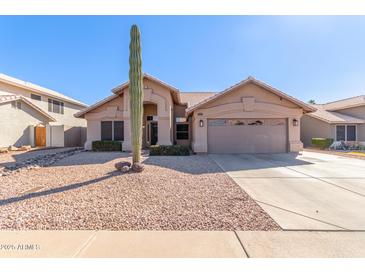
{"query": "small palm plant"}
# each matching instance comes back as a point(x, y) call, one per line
point(136, 97)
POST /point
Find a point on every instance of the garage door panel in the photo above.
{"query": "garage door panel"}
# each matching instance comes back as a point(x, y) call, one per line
point(223, 137)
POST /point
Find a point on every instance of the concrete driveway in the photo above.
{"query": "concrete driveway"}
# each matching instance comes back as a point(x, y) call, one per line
point(309, 191)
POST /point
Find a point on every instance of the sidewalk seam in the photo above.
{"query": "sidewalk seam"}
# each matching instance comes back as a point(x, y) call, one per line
point(85, 245)
point(239, 240)
point(300, 214)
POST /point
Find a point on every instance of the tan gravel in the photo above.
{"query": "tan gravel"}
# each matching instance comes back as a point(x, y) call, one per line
point(84, 191)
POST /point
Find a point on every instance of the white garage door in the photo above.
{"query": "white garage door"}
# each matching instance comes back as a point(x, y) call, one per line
point(247, 136)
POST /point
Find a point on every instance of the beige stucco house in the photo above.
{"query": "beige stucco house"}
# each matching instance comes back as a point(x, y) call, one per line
point(36, 116)
point(249, 117)
point(342, 120)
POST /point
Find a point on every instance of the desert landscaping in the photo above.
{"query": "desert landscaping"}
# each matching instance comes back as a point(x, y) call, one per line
point(84, 191)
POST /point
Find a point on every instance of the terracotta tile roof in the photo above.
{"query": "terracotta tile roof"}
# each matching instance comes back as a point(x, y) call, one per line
point(333, 117)
point(193, 98)
point(345, 103)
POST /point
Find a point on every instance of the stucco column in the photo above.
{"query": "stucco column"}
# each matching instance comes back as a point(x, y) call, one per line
point(200, 138)
point(164, 131)
point(294, 143)
point(127, 145)
point(93, 133)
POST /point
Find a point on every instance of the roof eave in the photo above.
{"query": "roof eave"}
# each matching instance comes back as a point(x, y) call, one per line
point(36, 89)
point(81, 113)
point(358, 121)
point(120, 88)
point(307, 108)
point(346, 107)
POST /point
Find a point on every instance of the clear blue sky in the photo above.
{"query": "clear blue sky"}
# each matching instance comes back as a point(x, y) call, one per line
point(84, 57)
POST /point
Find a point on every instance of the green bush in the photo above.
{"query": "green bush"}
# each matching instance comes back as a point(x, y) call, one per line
point(106, 146)
point(322, 143)
point(174, 150)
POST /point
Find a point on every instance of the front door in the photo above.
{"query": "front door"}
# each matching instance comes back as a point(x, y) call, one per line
point(40, 136)
point(154, 133)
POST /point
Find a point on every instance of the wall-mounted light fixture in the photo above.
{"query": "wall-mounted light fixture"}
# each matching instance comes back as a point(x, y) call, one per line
point(295, 122)
point(201, 123)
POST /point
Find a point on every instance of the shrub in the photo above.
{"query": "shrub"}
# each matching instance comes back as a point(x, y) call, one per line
point(322, 143)
point(106, 146)
point(174, 150)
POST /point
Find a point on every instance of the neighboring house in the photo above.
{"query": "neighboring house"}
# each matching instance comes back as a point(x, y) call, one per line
point(249, 117)
point(36, 116)
point(342, 120)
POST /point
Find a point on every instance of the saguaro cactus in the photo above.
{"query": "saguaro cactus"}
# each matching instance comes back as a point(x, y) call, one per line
point(136, 96)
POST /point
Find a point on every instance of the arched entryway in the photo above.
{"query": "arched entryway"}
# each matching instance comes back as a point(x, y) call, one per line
point(150, 124)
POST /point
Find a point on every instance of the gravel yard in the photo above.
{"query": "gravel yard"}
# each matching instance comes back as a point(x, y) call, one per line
point(84, 191)
point(18, 156)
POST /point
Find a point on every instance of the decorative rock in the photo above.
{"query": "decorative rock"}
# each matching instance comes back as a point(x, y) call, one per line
point(125, 169)
point(137, 167)
point(119, 166)
point(37, 162)
point(25, 148)
point(12, 148)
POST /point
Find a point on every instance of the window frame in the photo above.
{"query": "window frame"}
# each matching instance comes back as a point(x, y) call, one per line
point(36, 97)
point(101, 131)
point(182, 131)
point(112, 130)
point(51, 104)
point(181, 120)
point(346, 125)
point(16, 104)
point(347, 139)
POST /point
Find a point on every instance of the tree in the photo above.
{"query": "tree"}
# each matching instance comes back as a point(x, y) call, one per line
point(312, 101)
point(136, 97)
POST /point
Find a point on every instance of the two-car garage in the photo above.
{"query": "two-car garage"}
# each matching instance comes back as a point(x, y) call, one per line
point(247, 136)
point(249, 117)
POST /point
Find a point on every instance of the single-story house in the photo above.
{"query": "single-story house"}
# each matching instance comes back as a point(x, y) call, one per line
point(342, 120)
point(249, 117)
point(37, 116)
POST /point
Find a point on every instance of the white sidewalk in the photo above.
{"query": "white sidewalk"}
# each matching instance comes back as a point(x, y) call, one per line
point(186, 244)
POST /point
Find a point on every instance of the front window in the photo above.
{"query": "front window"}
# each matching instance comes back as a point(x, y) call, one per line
point(346, 133)
point(118, 130)
point(106, 130)
point(340, 133)
point(55, 106)
point(36, 97)
point(112, 130)
point(182, 131)
point(351, 133)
